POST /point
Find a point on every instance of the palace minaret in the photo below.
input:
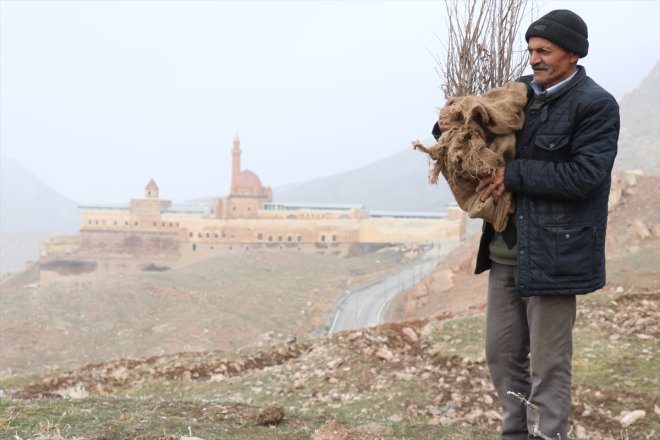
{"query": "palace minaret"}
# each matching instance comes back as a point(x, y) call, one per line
point(235, 162)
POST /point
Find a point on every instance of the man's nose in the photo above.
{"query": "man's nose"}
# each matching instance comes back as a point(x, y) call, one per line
point(534, 59)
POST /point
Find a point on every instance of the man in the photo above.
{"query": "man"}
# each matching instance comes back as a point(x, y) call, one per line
point(553, 247)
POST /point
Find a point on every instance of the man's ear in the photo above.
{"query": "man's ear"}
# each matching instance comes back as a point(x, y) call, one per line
point(574, 58)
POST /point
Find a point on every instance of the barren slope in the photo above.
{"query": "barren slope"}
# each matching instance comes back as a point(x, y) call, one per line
point(221, 303)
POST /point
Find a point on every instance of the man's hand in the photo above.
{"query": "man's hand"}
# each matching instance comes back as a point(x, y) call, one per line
point(494, 185)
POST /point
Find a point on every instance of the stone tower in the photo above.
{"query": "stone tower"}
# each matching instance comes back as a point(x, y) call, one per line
point(235, 163)
point(151, 190)
point(246, 193)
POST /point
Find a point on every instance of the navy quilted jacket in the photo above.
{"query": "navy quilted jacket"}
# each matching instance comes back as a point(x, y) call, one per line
point(561, 181)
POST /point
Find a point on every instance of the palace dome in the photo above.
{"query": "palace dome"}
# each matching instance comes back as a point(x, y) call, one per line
point(247, 181)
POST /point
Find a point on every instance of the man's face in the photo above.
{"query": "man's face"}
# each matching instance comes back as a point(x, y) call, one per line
point(551, 63)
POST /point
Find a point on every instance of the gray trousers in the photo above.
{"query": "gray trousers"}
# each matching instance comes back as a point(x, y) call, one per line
point(529, 347)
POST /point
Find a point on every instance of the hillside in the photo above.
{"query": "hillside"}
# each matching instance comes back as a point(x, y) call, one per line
point(639, 140)
point(225, 302)
point(29, 205)
point(29, 212)
point(418, 380)
point(396, 183)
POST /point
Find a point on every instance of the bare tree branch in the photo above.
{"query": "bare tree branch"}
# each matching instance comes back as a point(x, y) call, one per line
point(482, 49)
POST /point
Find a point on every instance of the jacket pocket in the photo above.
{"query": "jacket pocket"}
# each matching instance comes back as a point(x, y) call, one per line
point(551, 142)
point(551, 147)
point(570, 250)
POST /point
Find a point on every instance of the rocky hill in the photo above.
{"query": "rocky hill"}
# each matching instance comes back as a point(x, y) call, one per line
point(639, 140)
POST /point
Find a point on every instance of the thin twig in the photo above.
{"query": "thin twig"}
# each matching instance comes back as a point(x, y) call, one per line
point(537, 416)
point(481, 53)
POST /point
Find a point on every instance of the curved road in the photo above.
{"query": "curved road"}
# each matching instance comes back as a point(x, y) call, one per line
point(368, 306)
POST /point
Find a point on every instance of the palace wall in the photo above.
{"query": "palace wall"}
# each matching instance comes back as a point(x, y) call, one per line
point(245, 220)
point(134, 244)
point(123, 232)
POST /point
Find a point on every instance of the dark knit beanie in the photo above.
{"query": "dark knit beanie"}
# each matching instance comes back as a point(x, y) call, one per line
point(564, 28)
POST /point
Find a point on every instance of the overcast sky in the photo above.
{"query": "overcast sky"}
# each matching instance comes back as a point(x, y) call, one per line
point(97, 97)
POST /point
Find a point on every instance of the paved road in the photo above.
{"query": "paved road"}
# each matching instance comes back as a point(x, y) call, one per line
point(368, 306)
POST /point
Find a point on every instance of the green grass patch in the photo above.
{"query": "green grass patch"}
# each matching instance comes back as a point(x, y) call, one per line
point(132, 418)
point(463, 337)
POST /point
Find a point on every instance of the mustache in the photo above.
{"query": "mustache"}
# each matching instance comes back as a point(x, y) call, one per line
point(540, 66)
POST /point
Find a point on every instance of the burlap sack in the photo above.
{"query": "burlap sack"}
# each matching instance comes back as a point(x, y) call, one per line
point(481, 137)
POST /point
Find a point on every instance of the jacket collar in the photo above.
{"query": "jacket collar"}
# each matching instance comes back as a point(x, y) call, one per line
point(550, 90)
point(579, 76)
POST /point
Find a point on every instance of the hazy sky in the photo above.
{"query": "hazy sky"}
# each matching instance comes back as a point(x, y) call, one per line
point(97, 97)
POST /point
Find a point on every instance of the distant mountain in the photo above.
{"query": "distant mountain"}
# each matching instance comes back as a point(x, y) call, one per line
point(397, 183)
point(29, 212)
point(639, 140)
